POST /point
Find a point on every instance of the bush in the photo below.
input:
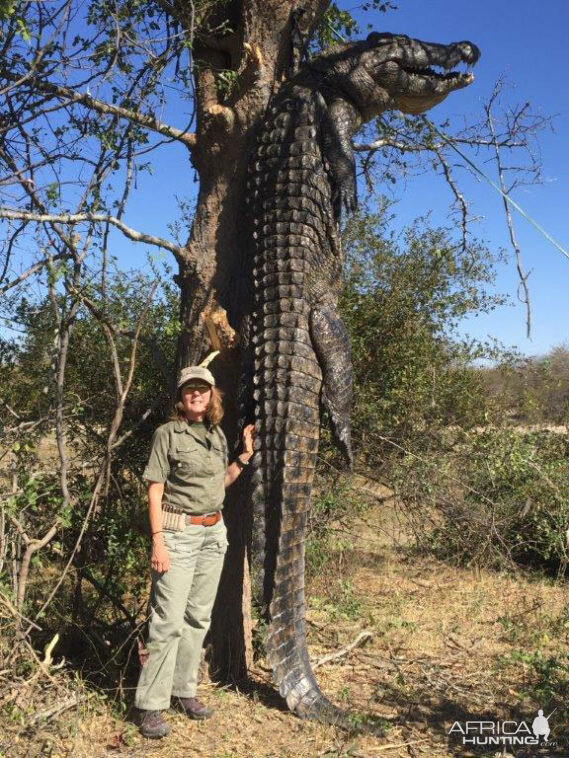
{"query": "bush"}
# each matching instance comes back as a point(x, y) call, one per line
point(498, 497)
point(95, 503)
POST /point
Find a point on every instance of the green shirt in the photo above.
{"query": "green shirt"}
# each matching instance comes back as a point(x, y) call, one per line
point(191, 460)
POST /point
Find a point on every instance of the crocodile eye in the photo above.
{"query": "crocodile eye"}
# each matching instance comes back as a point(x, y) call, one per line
point(374, 38)
point(470, 52)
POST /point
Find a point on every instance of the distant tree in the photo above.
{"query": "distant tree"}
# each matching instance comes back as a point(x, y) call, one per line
point(532, 389)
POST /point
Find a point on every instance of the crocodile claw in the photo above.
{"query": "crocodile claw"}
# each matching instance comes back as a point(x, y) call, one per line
point(345, 201)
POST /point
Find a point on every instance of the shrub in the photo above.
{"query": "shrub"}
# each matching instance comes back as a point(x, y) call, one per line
point(499, 497)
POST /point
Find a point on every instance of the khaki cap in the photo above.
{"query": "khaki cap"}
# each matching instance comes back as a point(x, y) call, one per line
point(195, 372)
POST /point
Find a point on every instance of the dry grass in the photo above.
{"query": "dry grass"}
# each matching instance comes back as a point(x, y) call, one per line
point(446, 646)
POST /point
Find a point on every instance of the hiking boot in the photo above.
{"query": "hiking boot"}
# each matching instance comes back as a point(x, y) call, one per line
point(152, 725)
point(192, 707)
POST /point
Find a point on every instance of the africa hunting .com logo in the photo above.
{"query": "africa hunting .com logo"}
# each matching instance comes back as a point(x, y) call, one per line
point(511, 733)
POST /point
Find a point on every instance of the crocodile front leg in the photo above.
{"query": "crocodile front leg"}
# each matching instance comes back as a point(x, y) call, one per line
point(340, 121)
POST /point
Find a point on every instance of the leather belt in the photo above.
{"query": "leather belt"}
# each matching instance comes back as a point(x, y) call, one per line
point(208, 520)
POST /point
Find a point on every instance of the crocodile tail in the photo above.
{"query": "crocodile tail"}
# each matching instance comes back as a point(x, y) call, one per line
point(290, 238)
point(287, 437)
point(286, 645)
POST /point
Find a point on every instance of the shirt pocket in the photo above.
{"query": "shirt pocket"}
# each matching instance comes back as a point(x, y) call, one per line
point(219, 454)
point(189, 457)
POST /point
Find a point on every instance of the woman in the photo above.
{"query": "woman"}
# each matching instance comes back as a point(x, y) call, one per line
point(187, 474)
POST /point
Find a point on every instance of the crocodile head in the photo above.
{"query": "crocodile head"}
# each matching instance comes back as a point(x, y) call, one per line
point(395, 72)
point(407, 69)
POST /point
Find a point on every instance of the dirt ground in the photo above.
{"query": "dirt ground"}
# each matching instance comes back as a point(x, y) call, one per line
point(436, 645)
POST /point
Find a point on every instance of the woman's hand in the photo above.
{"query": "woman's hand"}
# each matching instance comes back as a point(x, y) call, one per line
point(160, 560)
point(242, 460)
point(248, 440)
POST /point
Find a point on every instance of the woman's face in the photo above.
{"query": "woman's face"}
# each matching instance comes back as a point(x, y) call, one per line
point(195, 399)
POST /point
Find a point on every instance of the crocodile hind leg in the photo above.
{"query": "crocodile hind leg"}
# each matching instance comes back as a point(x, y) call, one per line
point(332, 346)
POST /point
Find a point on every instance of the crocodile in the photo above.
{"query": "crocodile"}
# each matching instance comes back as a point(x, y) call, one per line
point(301, 183)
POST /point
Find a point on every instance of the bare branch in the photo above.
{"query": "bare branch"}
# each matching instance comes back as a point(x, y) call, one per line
point(32, 546)
point(55, 710)
point(80, 218)
point(361, 639)
point(384, 142)
point(64, 326)
point(459, 197)
point(142, 119)
point(16, 613)
point(523, 289)
point(417, 147)
point(33, 270)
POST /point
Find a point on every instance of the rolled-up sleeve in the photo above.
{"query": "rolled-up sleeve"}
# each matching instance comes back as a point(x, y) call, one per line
point(158, 466)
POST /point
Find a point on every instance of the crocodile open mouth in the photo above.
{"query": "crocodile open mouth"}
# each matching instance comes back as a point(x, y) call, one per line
point(446, 76)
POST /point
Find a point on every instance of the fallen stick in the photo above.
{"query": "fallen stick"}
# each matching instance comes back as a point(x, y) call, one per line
point(48, 650)
point(380, 748)
point(15, 612)
point(68, 703)
point(360, 639)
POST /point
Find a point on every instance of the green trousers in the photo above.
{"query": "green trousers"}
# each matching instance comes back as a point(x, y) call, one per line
point(181, 602)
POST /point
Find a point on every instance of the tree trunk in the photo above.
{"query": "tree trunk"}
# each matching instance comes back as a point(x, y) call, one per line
point(259, 53)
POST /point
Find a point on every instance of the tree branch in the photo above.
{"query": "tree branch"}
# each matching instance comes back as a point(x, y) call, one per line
point(79, 218)
point(143, 119)
point(460, 200)
point(383, 142)
point(409, 147)
point(523, 289)
point(32, 270)
point(32, 546)
point(361, 639)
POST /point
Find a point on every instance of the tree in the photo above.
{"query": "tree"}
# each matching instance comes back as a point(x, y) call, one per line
point(403, 300)
point(81, 88)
